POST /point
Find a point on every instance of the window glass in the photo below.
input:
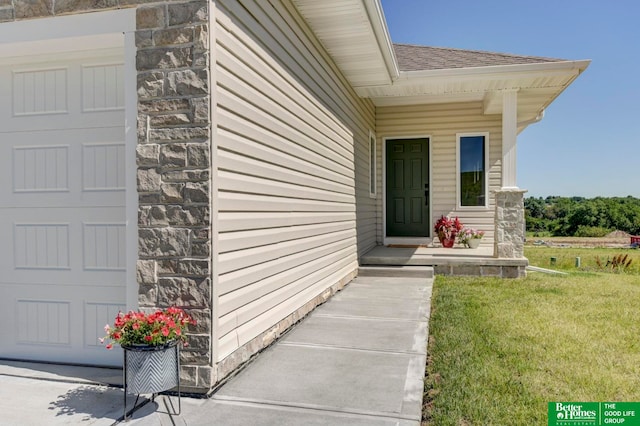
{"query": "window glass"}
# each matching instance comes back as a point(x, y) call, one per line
point(472, 178)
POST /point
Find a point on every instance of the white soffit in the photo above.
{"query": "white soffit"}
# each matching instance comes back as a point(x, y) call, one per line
point(354, 33)
point(537, 84)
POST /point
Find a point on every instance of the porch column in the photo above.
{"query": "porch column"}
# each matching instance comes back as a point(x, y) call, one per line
point(509, 200)
point(509, 223)
point(509, 137)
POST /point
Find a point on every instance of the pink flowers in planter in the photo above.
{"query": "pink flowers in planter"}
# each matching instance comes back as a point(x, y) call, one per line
point(154, 329)
point(468, 234)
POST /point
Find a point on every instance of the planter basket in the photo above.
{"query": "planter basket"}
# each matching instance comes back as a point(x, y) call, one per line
point(447, 242)
point(474, 243)
point(151, 369)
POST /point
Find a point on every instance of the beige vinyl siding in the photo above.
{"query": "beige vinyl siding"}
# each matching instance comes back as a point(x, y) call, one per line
point(441, 122)
point(292, 158)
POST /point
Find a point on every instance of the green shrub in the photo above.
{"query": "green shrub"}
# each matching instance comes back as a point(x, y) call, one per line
point(592, 231)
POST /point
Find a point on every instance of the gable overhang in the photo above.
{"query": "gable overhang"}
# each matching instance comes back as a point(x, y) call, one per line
point(537, 85)
point(355, 34)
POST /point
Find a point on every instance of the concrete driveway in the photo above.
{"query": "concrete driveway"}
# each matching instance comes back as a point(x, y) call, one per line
point(359, 359)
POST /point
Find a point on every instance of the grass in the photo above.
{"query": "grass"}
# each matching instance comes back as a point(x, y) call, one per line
point(500, 350)
point(566, 257)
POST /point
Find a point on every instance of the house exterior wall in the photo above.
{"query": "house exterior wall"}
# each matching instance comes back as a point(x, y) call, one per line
point(441, 123)
point(173, 159)
point(254, 210)
point(174, 172)
point(291, 169)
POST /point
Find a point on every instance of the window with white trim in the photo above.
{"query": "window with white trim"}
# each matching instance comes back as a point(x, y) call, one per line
point(372, 165)
point(472, 170)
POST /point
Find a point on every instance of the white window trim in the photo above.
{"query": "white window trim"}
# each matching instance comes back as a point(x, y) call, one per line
point(486, 171)
point(373, 165)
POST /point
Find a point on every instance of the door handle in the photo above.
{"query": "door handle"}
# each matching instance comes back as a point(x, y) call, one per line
point(426, 194)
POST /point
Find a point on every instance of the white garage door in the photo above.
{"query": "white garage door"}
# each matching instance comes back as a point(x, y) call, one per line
point(62, 205)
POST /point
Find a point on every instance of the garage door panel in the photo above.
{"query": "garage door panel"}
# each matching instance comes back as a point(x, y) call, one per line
point(38, 170)
point(65, 279)
point(62, 201)
point(90, 253)
point(90, 200)
point(61, 121)
point(83, 92)
point(51, 328)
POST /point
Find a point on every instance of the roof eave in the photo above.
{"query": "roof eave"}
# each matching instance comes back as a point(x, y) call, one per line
point(383, 37)
point(539, 84)
point(355, 35)
point(498, 71)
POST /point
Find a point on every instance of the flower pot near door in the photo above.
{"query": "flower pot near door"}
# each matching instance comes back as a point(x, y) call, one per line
point(474, 243)
point(447, 230)
point(447, 242)
point(470, 237)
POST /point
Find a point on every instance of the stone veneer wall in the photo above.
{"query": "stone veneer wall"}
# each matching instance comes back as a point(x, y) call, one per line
point(174, 171)
point(173, 157)
point(509, 223)
point(481, 269)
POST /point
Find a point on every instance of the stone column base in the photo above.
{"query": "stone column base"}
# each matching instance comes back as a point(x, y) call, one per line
point(510, 225)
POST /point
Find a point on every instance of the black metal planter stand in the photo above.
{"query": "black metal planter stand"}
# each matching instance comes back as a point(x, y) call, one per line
point(151, 370)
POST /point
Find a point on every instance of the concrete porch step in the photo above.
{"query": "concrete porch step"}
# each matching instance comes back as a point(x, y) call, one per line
point(396, 271)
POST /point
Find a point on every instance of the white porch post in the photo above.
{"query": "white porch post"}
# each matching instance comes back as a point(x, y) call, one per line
point(509, 200)
point(509, 137)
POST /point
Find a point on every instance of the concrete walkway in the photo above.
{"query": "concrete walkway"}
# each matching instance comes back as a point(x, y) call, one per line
point(359, 359)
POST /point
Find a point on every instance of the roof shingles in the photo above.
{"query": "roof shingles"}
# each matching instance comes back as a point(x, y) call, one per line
point(412, 57)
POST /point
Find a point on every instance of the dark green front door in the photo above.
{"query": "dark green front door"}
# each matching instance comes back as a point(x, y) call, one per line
point(407, 186)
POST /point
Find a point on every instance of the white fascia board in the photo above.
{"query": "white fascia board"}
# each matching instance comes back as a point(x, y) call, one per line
point(383, 38)
point(381, 101)
point(499, 72)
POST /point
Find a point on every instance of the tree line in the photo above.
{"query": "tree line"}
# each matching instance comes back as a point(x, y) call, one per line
point(582, 217)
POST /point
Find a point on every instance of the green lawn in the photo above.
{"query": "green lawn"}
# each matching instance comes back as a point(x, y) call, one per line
point(566, 257)
point(500, 350)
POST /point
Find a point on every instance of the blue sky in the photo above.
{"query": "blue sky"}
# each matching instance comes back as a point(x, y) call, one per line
point(588, 144)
